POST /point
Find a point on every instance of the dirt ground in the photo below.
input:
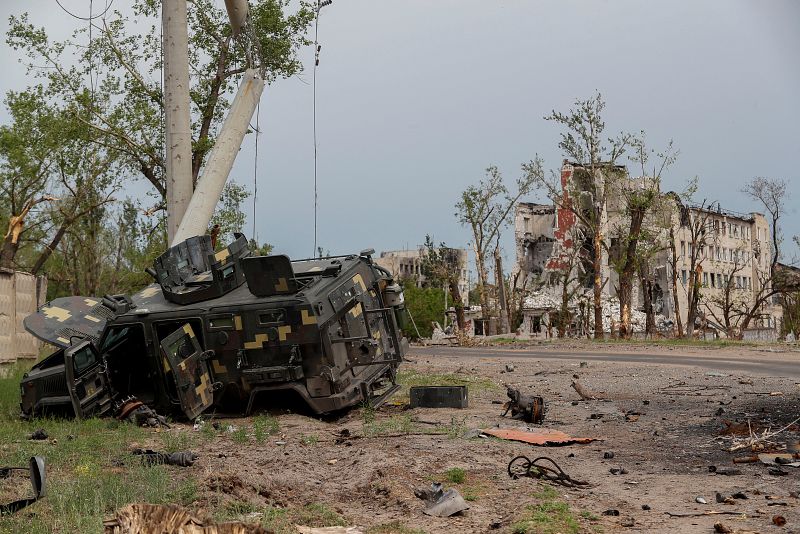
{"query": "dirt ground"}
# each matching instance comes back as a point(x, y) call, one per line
point(369, 478)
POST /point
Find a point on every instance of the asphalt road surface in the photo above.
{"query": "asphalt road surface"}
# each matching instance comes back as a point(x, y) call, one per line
point(750, 361)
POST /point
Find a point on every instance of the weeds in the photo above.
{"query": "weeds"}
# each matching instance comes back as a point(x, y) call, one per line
point(395, 527)
point(455, 475)
point(264, 426)
point(309, 440)
point(239, 435)
point(549, 516)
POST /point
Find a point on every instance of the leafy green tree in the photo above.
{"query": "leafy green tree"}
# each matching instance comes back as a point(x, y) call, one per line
point(442, 266)
point(425, 304)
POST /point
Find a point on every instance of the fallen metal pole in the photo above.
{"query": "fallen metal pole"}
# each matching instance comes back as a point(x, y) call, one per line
point(220, 161)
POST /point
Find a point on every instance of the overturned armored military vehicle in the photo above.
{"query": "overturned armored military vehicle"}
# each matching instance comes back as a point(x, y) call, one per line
point(223, 328)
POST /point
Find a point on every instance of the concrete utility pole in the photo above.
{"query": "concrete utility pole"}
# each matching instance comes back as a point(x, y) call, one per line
point(220, 161)
point(176, 107)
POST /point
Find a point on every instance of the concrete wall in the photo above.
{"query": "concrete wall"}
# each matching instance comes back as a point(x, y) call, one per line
point(20, 295)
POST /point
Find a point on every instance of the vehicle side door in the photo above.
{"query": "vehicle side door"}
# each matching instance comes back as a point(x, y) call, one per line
point(183, 354)
point(87, 380)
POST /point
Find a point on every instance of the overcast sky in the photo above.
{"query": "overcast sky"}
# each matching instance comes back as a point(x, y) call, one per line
point(416, 98)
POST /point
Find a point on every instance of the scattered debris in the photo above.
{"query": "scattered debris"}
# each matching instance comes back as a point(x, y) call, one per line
point(522, 466)
point(329, 530)
point(181, 459)
point(716, 374)
point(701, 514)
point(700, 500)
point(778, 520)
point(525, 407)
point(136, 412)
point(618, 471)
point(611, 512)
point(509, 368)
point(780, 459)
point(156, 518)
point(38, 435)
point(438, 397)
point(540, 436)
point(36, 472)
point(646, 507)
point(585, 393)
point(608, 455)
point(584, 365)
point(753, 441)
point(727, 471)
point(632, 416)
point(441, 503)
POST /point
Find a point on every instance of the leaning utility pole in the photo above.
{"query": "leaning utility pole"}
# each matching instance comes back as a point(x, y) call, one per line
point(178, 134)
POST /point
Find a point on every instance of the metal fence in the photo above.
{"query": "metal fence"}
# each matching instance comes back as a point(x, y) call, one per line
point(20, 295)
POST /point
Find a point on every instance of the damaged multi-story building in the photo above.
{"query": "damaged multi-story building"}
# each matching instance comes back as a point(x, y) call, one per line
point(407, 264)
point(733, 257)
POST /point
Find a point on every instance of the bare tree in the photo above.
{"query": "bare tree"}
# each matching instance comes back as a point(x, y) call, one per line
point(485, 208)
point(771, 192)
point(583, 143)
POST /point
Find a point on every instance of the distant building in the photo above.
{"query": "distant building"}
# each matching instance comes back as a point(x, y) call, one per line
point(737, 251)
point(404, 264)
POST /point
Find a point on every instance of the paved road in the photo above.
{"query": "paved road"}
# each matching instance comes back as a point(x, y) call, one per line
point(750, 362)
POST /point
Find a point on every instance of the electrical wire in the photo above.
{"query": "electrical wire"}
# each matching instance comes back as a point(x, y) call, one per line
point(255, 172)
point(90, 17)
point(314, 112)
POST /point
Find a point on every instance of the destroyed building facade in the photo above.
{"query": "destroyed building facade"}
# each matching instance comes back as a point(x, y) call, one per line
point(407, 264)
point(734, 257)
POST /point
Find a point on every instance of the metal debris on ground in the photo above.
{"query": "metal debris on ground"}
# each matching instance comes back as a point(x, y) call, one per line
point(528, 408)
point(181, 458)
point(539, 436)
point(439, 397)
point(36, 471)
point(781, 459)
point(522, 466)
point(441, 503)
point(38, 435)
point(156, 518)
point(136, 412)
point(728, 471)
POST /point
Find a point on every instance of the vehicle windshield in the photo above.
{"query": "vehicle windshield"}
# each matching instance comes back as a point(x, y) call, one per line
point(114, 336)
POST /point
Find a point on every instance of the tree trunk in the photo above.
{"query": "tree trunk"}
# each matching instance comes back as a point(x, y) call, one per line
point(674, 267)
point(597, 263)
point(8, 252)
point(694, 292)
point(564, 315)
point(647, 292)
point(458, 304)
point(505, 325)
point(482, 282)
point(628, 272)
point(48, 250)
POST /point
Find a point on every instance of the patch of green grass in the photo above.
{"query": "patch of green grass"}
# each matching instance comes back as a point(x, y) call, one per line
point(455, 475)
point(680, 342)
point(397, 424)
point(589, 516)
point(283, 520)
point(549, 516)
point(239, 435)
point(455, 429)
point(264, 426)
point(394, 527)
point(176, 440)
point(309, 440)
point(409, 378)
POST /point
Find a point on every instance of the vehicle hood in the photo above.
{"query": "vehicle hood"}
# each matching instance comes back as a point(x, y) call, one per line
point(64, 318)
